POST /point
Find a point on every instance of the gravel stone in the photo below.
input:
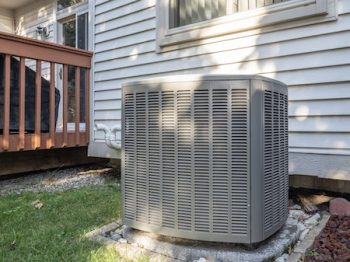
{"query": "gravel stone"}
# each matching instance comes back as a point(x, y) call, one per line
point(298, 214)
point(296, 207)
point(303, 234)
point(301, 227)
point(202, 259)
point(56, 180)
point(333, 243)
point(116, 236)
point(310, 222)
point(123, 241)
point(280, 259)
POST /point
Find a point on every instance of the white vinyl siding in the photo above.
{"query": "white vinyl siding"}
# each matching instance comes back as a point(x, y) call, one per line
point(28, 18)
point(6, 21)
point(314, 60)
point(41, 13)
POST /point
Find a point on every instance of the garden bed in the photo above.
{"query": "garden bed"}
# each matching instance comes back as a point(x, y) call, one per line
point(333, 243)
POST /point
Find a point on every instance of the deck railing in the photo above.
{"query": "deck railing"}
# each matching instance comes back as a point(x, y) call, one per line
point(55, 56)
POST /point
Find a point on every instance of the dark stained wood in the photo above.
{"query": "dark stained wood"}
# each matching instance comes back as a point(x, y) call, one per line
point(77, 106)
point(6, 124)
point(65, 105)
point(87, 105)
point(37, 105)
point(45, 51)
point(23, 162)
point(52, 106)
point(22, 93)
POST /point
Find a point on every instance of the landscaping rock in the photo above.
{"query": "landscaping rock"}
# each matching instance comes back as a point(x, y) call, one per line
point(333, 243)
point(303, 234)
point(295, 207)
point(283, 258)
point(340, 207)
point(301, 227)
point(116, 236)
point(310, 222)
point(122, 241)
point(202, 259)
point(298, 214)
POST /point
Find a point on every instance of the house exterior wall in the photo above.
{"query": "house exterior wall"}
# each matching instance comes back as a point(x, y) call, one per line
point(314, 60)
point(29, 17)
point(6, 20)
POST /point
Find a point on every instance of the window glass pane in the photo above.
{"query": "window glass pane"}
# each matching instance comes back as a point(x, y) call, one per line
point(62, 4)
point(69, 33)
point(189, 12)
point(83, 31)
point(72, 109)
point(71, 94)
point(82, 95)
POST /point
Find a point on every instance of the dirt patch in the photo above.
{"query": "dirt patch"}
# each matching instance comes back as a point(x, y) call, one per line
point(333, 243)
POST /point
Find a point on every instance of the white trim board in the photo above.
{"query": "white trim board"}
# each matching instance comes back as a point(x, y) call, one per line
point(100, 149)
point(323, 166)
point(238, 22)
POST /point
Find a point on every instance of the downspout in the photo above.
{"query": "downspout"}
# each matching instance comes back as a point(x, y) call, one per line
point(110, 135)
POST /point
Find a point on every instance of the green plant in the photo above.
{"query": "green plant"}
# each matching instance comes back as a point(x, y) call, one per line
point(311, 253)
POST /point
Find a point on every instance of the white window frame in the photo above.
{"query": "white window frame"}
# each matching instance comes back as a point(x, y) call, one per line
point(71, 12)
point(238, 22)
point(79, 8)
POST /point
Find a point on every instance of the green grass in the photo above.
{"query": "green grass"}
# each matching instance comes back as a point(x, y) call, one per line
point(56, 231)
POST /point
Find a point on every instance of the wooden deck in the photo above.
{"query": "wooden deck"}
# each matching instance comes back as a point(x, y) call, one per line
point(22, 49)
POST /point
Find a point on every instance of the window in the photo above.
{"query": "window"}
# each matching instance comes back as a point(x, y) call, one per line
point(202, 10)
point(181, 21)
point(62, 4)
point(73, 31)
point(75, 34)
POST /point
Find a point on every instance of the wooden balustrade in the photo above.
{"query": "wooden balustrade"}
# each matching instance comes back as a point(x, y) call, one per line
point(24, 49)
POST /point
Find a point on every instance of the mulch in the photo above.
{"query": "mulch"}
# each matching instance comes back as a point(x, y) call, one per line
point(333, 243)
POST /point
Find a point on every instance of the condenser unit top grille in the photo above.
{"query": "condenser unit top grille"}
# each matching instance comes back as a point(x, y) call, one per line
point(206, 157)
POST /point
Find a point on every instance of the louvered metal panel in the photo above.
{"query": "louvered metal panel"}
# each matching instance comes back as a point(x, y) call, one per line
point(268, 161)
point(129, 139)
point(168, 158)
point(154, 158)
point(195, 164)
point(184, 159)
point(239, 161)
point(276, 158)
point(220, 160)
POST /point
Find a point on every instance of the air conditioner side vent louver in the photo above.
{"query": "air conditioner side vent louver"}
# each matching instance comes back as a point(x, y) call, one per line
point(187, 167)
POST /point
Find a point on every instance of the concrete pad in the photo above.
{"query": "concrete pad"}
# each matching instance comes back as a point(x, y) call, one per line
point(189, 250)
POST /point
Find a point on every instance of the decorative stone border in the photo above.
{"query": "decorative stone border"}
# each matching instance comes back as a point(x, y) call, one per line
point(302, 246)
point(300, 230)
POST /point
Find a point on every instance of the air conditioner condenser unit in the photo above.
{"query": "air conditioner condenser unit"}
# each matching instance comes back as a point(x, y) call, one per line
point(205, 157)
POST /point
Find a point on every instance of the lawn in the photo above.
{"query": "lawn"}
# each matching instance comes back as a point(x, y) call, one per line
point(55, 231)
